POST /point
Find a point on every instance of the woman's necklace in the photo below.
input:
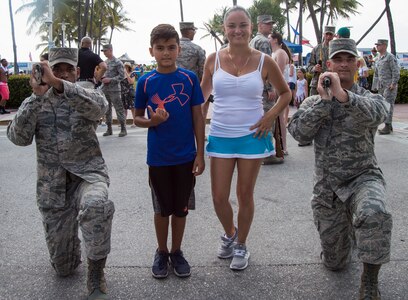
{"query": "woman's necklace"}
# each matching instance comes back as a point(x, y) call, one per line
point(239, 70)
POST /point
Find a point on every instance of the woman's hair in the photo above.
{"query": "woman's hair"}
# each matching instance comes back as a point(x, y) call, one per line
point(362, 62)
point(234, 9)
point(277, 36)
point(303, 70)
point(163, 31)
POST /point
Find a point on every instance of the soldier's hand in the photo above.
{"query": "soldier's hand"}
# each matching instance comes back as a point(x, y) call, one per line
point(318, 68)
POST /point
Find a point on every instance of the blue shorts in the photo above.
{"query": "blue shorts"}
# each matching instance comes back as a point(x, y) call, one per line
point(241, 147)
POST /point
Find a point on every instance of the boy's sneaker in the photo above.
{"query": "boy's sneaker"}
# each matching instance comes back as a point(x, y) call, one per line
point(241, 257)
point(226, 249)
point(160, 264)
point(180, 265)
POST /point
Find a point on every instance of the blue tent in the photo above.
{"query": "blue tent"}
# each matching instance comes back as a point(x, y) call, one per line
point(294, 48)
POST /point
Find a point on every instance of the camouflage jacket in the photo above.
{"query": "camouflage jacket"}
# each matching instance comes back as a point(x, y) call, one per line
point(191, 57)
point(320, 52)
point(261, 43)
point(64, 129)
point(343, 135)
point(116, 73)
point(387, 71)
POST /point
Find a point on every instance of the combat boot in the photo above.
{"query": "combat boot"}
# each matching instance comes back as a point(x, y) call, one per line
point(369, 283)
point(96, 282)
point(386, 129)
point(108, 130)
point(123, 131)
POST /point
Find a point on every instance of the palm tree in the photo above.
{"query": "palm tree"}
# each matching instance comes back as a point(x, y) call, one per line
point(77, 13)
point(16, 70)
point(333, 9)
point(390, 27)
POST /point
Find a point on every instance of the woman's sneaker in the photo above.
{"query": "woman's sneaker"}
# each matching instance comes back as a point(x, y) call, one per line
point(241, 257)
point(226, 249)
point(180, 265)
point(160, 264)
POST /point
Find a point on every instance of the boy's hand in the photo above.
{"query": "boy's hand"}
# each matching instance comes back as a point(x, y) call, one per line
point(157, 117)
point(199, 165)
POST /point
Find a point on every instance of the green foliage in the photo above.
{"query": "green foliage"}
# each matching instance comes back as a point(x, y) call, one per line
point(402, 96)
point(19, 86)
point(266, 7)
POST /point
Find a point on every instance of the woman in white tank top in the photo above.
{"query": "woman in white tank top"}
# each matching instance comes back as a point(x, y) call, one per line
point(235, 76)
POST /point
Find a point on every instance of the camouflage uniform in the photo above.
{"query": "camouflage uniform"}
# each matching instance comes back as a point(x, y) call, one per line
point(112, 91)
point(192, 57)
point(349, 187)
point(387, 71)
point(72, 183)
point(320, 52)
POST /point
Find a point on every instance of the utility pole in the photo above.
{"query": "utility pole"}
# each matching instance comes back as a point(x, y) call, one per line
point(63, 27)
point(181, 10)
point(49, 24)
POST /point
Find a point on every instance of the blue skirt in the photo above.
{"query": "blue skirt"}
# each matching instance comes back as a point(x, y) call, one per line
point(241, 147)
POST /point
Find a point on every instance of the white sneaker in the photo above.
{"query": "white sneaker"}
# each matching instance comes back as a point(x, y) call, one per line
point(241, 257)
point(226, 249)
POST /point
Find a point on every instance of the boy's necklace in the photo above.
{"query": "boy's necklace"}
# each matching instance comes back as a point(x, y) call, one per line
point(239, 70)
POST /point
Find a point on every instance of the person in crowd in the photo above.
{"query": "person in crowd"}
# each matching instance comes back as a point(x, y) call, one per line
point(72, 183)
point(261, 42)
point(4, 90)
point(302, 91)
point(44, 57)
point(91, 66)
point(318, 58)
point(175, 144)
point(349, 197)
point(343, 33)
point(192, 56)
point(362, 72)
point(239, 136)
point(111, 88)
point(283, 57)
point(385, 81)
point(128, 90)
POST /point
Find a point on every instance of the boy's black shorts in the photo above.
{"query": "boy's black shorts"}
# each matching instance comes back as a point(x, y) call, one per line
point(172, 189)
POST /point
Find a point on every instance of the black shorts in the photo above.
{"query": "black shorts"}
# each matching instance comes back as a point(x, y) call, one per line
point(292, 86)
point(172, 189)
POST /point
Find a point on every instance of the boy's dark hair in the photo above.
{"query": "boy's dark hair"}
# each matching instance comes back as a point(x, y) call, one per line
point(163, 31)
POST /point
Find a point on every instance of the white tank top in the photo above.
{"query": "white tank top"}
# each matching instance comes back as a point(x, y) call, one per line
point(237, 101)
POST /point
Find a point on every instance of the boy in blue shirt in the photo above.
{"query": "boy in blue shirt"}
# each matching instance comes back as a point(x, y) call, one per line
point(173, 98)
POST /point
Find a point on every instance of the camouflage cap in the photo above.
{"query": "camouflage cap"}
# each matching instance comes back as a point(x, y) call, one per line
point(187, 25)
point(63, 55)
point(106, 47)
point(343, 32)
point(382, 42)
point(342, 45)
point(331, 29)
point(266, 19)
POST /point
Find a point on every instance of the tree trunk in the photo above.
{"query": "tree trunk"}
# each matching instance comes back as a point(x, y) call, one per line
point(79, 22)
point(85, 20)
point(390, 27)
point(287, 18)
point(91, 21)
point(16, 70)
point(314, 20)
point(371, 27)
point(301, 31)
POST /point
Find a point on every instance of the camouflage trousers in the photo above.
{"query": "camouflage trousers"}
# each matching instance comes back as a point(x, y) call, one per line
point(362, 219)
point(87, 206)
point(115, 99)
point(389, 96)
